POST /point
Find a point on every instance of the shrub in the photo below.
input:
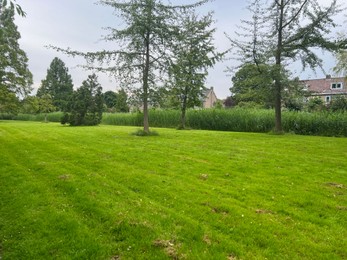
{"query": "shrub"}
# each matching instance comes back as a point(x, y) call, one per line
point(339, 104)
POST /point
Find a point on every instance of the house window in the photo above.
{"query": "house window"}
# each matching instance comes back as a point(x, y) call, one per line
point(327, 99)
point(337, 85)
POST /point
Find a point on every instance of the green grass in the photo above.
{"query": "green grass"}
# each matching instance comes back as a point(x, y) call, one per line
point(103, 193)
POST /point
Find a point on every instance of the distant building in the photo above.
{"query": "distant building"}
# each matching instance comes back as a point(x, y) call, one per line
point(210, 98)
point(326, 88)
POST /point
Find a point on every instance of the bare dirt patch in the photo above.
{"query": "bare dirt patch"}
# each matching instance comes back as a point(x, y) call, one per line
point(169, 247)
point(336, 185)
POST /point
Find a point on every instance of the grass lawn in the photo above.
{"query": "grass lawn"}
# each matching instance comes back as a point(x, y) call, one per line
point(102, 193)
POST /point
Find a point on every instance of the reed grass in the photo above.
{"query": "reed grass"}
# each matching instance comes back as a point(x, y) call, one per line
point(235, 120)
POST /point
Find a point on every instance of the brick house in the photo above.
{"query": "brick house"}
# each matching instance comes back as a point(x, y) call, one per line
point(326, 88)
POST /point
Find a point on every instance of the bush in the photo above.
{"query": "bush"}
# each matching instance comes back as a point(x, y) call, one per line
point(339, 104)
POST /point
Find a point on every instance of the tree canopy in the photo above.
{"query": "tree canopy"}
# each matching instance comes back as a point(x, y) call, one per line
point(86, 104)
point(15, 77)
point(58, 84)
point(194, 53)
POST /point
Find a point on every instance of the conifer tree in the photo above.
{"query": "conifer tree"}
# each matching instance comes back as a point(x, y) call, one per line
point(86, 104)
point(58, 84)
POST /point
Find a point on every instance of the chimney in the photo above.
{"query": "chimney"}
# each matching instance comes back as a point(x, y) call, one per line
point(328, 76)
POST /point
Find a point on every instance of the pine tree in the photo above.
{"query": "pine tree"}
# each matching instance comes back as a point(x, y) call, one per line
point(86, 104)
point(58, 84)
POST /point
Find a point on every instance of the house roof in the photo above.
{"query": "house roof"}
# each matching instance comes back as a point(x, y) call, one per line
point(324, 86)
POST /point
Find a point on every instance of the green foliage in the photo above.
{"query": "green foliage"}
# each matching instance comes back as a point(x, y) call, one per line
point(122, 101)
point(51, 117)
point(11, 4)
point(194, 54)
point(241, 120)
point(110, 99)
point(319, 123)
point(15, 77)
point(58, 84)
point(86, 104)
point(9, 103)
point(29, 105)
point(315, 104)
point(286, 31)
point(339, 103)
point(253, 83)
point(150, 28)
point(101, 193)
point(341, 57)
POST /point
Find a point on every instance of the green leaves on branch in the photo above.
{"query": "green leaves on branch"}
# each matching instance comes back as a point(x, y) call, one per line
point(11, 4)
point(15, 77)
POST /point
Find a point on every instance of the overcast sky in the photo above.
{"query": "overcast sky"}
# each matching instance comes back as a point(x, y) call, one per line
point(79, 24)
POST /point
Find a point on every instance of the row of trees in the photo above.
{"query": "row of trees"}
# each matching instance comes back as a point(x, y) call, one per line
point(162, 47)
point(167, 48)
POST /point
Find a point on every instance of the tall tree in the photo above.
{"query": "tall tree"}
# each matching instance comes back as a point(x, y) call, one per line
point(291, 30)
point(45, 105)
point(116, 101)
point(110, 99)
point(193, 55)
point(122, 101)
point(15, 77)
point(253, 84)
point(146, 39)
point(58, 84)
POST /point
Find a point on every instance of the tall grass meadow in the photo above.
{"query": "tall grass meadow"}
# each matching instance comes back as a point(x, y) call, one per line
point(237, 120)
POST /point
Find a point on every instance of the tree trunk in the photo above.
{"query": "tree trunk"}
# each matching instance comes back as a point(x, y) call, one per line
point(145, 87)
point(278, 80)
point(183, 112)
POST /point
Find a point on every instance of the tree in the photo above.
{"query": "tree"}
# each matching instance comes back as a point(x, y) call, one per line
point(146, 40)
point(122, 101)
point(116, 101)
point(286, 31)
point(45, 105)
point(15, 77)
point(9, 102)
point(339, 103)
point(110, 99)
point(58, 84)
point(29, 105)
point(194, 54)
point(86, 104)
point(341, 66)
point(341, 58)
point(229, 102)
point(253, 83)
